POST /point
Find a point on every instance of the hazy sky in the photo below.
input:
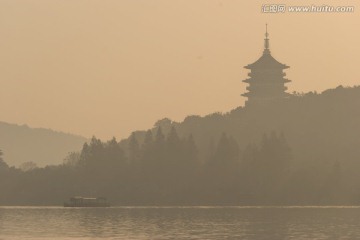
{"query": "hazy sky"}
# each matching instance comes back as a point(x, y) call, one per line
point(109, 67)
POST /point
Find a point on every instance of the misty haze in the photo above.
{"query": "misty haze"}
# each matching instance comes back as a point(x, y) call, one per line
point(191, 121)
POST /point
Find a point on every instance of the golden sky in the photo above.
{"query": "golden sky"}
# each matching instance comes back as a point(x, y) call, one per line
point(109, 67)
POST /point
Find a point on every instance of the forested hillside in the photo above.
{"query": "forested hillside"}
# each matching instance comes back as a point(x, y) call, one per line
point(304, 150)
point(320, 128)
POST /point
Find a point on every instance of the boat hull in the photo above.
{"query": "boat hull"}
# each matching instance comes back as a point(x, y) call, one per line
point(87, 202)
point(86, 205)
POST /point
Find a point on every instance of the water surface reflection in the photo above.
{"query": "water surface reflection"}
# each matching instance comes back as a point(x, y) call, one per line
point(180, 223)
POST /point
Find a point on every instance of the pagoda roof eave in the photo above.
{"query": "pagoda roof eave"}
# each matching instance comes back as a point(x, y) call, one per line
point(266, 61)
point(260, 67)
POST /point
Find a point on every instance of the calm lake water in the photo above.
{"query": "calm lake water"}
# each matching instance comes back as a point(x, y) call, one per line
point(180, 223)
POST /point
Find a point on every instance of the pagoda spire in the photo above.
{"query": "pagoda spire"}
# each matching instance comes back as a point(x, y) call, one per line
point(266, 42)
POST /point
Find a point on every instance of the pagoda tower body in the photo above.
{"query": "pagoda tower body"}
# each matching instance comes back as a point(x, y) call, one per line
point(266, 82)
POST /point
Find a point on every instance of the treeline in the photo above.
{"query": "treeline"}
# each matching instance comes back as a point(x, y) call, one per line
point(165, 169)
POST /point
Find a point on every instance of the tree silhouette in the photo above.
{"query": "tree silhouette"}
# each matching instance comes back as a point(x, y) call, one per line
point(3, 164)
point(134, 149)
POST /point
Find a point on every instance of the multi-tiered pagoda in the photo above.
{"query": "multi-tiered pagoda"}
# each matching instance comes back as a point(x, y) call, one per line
point(266, 82)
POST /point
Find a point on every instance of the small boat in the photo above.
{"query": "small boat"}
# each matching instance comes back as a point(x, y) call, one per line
point(87, 202)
